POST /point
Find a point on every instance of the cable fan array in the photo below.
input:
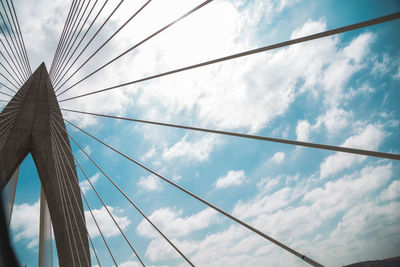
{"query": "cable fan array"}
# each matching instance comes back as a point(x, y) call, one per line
point(73, 43)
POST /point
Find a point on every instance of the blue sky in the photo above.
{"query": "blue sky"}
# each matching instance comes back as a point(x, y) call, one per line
point(342, 90)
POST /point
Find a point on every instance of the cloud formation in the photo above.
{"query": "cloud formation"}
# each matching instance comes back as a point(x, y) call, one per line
point(232, 178)
point(105, 222)
point(369, 138)
point(25, 223)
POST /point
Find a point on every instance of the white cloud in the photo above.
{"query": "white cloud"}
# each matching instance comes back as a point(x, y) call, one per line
point(381, 67)
point(374, 226)
point(129, 263)
point(303, 130)
point(105, 222)
point(308, 28)
point(225, 96)
point(176, 178)
point(368, 138)
point(87, 149)
point(334, 119)
point(150, 183)
point(198, 150)
point(363, 222)
point(159, 249)
point(339, 195)
point(232, 178)
point(41, 28)
point(266, 184)
point(396, 76)
point(392, 192)
point(364, 89)
point(265, 203)
point(285, 3)
point(231, 247)
point(278, 157)
point(228, 97)
point(234, 246)
point(173, 224)
point(85, 186)
point(348, 62)
point(282, 213)
point(25, 223)
point(149, 154)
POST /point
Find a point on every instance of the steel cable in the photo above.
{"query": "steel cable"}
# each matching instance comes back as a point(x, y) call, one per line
point(251, 52)
point(258, 232)
point(80, 42)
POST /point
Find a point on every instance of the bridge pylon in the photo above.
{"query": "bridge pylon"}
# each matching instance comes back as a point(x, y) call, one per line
point(31, 123)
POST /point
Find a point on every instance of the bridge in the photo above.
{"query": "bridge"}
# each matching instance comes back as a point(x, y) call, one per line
point(32, 121)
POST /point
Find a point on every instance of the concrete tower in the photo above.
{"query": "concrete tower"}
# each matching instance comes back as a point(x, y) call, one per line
point(35, 126)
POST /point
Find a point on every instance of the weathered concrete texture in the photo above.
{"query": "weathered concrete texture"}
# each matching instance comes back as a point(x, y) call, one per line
point(31, 133)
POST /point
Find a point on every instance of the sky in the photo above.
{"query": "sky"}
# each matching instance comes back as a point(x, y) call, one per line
point(343, 90)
